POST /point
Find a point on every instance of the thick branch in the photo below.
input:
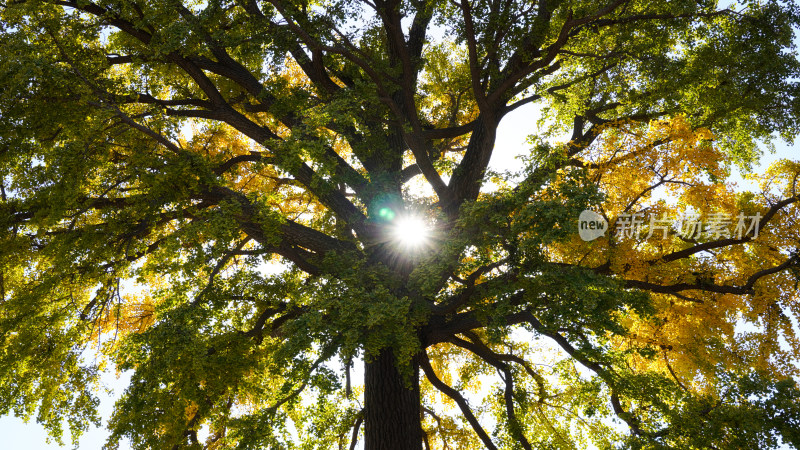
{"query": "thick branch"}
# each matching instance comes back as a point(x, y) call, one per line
point(425, 364)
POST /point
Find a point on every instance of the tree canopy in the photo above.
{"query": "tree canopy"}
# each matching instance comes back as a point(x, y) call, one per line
point(210, 194)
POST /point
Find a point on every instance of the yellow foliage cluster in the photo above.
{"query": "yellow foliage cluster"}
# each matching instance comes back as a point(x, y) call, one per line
point(133, 314)
point(669, 171)
point(278, 190)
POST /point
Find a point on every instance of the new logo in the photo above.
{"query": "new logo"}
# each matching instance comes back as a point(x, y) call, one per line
point(591, 225)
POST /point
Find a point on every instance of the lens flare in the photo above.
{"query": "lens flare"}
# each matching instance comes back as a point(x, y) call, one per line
point(411, 232)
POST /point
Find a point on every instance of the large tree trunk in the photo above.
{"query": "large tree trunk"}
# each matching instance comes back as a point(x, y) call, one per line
point(392, 420)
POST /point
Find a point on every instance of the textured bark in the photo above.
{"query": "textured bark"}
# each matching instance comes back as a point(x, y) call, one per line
point(391, 406)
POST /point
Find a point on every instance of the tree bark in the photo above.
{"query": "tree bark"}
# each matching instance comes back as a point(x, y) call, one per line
point(392, 405)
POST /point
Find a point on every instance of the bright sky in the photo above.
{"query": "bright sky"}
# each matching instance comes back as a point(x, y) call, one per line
point(511, 141)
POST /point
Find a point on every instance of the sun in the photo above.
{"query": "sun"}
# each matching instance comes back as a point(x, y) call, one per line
point(411, 232)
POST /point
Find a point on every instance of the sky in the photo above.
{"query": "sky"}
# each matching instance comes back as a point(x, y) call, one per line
point(18, 435)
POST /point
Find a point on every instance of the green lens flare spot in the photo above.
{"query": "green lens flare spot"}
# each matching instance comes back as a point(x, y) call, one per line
point(386, 214)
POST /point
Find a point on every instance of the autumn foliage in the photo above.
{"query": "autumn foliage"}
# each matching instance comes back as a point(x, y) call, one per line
point(211, 195)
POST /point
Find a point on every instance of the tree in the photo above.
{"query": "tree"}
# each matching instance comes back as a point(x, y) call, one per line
point(208, 194)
